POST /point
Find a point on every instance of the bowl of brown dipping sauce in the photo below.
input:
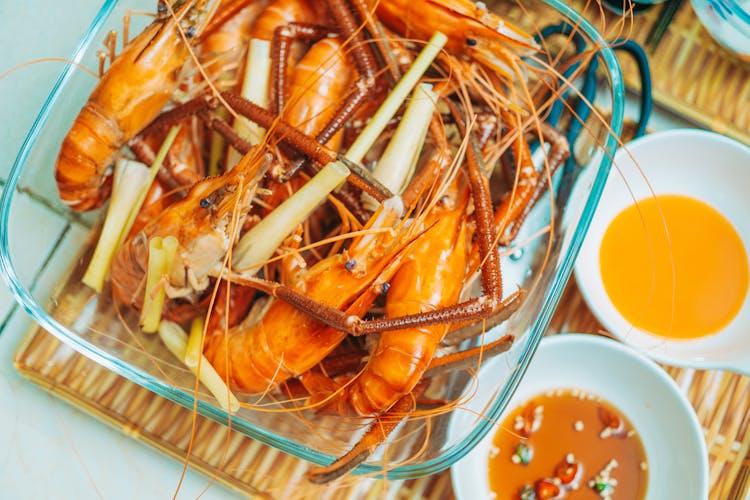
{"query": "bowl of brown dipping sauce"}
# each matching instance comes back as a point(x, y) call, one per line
point(591, 419)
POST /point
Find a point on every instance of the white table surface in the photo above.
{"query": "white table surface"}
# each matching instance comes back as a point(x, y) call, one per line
point(49, 449)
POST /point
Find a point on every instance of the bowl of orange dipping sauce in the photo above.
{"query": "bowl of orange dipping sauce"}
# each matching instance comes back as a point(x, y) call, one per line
point(591, 419)
point(664, 265)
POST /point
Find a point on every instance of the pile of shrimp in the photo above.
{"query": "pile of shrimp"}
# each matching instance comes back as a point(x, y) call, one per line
point(368, 297)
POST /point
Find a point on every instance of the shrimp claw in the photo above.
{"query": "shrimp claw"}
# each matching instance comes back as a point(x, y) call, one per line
point(383, 426)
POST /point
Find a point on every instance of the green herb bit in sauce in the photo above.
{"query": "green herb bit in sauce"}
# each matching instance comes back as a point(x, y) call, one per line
point(527, 493)
point(605, 488)
point(522, 455)
point(604, 484)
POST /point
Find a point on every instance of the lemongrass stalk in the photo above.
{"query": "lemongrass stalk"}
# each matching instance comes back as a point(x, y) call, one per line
point(393, 101)
point(169, 247)
point(129, 178)
point(218, 146)
point(176, 341)
point(399, 160)
point(194, 347)
point(258, 245)
point(169, 244)
point(153, 171)
point(161, 254)
point(255, 84)
point(154, 273)
point(256, 80)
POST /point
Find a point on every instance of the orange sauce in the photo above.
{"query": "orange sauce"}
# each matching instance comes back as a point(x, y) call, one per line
point(572, 438)
point(702, 292)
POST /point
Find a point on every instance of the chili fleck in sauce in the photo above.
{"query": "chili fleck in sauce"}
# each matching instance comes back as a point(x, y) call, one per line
point(567, 444)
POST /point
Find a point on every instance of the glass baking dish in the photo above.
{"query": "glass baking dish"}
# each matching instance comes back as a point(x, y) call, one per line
point(53, 295)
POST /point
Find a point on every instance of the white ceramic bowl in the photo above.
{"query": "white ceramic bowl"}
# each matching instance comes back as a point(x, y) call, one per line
point(728, 22)
point(703, 165)
point(638, 387)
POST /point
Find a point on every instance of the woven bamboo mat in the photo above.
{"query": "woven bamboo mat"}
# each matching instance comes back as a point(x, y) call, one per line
point(692, 74)
point(721, 400)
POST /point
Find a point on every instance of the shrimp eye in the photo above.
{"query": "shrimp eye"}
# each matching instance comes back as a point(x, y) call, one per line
point(190, 32)
point(205, 203)
point(161, 8)
point(350, 264)
point(471, 42)
point(384, 288)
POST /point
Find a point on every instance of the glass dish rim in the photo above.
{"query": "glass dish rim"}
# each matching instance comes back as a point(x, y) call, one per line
point(432, 466)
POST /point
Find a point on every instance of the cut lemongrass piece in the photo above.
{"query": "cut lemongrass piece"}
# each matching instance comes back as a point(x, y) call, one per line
point(390, 106)
point(218, 146)
point(129, 178)
point(161, 253)
point(399, 160)
point(130, 186)
point(194, 347)
point(258, 245)
point(255, 89)
point(406, 145)
point(153, 171)
point(154, 273)
point(176, 341)
point(257, 76)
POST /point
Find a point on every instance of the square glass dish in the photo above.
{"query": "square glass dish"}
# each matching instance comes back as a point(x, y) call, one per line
point(52, 293)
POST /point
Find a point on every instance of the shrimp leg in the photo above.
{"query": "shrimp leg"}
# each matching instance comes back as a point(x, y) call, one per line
point(510, 216)
point(281, 45)
point(484, 306)
point(378, 431)
point(385, 424)
point(363, 56)
point(308, 146)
